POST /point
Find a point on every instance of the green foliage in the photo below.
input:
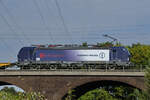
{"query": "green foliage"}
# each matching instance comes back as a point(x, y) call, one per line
point(147, 79)
point(140, 54)
point(10, 94)
point(147, 82)
point(10, 90)
point(109, 44)
point(105, 44)
point(97, 94)
point(119, 92)
point(122, 92)
point(137, 95)
point(70, 95)
point(84, 44)
point(118, 44)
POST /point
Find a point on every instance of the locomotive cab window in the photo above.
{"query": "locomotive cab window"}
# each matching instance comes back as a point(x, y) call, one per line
point(114, 50)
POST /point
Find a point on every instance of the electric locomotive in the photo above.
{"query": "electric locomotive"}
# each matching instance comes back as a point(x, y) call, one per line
point(55, 57)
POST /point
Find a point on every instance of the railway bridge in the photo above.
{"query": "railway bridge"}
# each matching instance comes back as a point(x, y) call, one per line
point(55, 84)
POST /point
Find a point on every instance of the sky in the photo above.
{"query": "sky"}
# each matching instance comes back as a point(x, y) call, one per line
point(15, 87)
point(27, 22)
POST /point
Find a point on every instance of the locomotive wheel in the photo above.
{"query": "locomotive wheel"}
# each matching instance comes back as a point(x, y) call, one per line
point(53, 67)
point(85, 66)
point(92, 66)
point(74, 66)
point(111, 68)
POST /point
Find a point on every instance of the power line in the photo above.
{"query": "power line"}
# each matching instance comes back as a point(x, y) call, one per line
point(14, 21)
point(62, 19)
point(42, 17)
point(50, 9)
point(13, 31)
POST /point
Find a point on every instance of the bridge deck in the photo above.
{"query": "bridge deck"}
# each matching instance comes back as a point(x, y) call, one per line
point(67, 73)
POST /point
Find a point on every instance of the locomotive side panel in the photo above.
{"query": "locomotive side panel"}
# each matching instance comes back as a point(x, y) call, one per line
point(72, 55)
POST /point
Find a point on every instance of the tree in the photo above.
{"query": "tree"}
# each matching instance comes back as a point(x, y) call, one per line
point(119, 92)
point(142, 95)
point(147, 81)
point(70, 95)
point(9, 90)
point(10, 94)
point(118, 44)
point(105, 44)
point(137, 95)
point(140, 54)
point(84, 44)
point(97, 94)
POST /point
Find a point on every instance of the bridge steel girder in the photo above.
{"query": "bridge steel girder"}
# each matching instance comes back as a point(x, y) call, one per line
point(54, 87)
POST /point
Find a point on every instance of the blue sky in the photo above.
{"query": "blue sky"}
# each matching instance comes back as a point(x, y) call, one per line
point(26, 22)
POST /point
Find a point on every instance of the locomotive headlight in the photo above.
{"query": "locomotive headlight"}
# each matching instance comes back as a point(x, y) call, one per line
point(37, 59)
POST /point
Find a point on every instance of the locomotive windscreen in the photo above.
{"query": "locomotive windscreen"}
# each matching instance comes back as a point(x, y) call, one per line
point(72, 55)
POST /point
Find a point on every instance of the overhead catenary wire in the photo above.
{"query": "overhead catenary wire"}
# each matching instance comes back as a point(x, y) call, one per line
point(63, 21)
point(10, 27)
point(43, 20)
point(14, 21)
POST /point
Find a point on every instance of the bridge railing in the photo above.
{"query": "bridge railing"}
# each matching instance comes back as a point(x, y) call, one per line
point(79, 70)
point(137, 68)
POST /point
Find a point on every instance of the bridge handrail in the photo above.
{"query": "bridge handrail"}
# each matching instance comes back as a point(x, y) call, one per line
point(80, 70)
